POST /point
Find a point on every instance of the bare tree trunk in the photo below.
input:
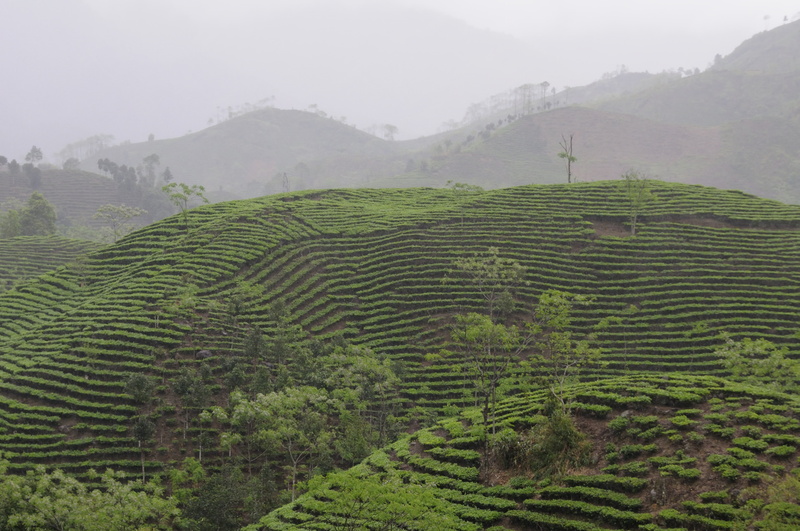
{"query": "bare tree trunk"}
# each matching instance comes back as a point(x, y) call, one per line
point(141, 453)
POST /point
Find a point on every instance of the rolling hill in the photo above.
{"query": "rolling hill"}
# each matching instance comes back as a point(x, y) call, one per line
point(608, 144)
point(248, 154)
point(717, 128)
point(145, 354)
point(76, 195)
point(370, 266)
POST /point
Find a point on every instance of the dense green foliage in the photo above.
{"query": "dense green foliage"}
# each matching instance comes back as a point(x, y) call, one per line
point(53, 500)
point(36, 217)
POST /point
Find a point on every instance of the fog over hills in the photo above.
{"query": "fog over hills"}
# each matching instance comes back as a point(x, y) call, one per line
point(730, 126)
point(131, 69)
point(374, 63)
point(399, 326)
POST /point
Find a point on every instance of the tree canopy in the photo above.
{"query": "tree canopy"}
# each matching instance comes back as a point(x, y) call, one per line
point(181, 195)
point(759, 362)
point(54, 500)
point(37, 217)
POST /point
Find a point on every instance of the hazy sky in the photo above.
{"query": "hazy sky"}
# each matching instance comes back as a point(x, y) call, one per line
point(74, 68)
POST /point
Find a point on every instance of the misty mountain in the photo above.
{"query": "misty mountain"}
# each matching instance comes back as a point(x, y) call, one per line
point(733, 126)
point(250, 153)
point(769, 52)
point(375, 63)
point(760, 78)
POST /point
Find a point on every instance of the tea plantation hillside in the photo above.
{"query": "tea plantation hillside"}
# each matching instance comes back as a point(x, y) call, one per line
point(29, 256)
point(371, 265)
point(77, 195)
point(664, 452)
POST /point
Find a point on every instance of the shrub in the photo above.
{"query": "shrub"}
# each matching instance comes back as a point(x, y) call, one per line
point(559, 444)
point(689, 473)
point(652, 433)
point(695, 437)
point(752, 431)
point(634, 468)
point(740, 453)
point(727, 472)
point(751, 444)
point(682, 422)
point(521, 482)
point(780, 515)
point(781, 451)
point(718, 418)
point(719, 431)
point(752, 464)
point(619, 424)
point(607, 481)
point(693, 521)
point(631, 450)
point(511, 449)
point(714, 495)
point(593, 410)
point(644, 421)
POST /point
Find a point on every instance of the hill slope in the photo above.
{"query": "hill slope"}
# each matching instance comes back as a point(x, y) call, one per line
point(76, 195)
point(29, 256)
point(608, 144)
point(671, 452)
point(247, 153)
point(369, 264)
point(715, 128)
point(771, 51)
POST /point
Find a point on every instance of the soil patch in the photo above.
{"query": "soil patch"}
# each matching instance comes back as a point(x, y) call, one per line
point(607, 228)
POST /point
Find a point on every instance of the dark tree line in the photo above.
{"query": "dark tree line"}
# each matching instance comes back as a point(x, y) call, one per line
point(145, 174)
point(29, 168)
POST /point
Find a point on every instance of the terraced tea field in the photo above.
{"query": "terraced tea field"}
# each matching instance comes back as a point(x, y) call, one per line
point(371, 264)
point(76, 195)
point(29, 256)
point(672, 452)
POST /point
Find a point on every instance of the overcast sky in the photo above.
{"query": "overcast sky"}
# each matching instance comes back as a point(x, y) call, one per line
point(75, 68)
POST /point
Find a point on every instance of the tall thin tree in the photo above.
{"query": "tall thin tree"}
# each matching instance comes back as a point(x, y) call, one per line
point(566, 154)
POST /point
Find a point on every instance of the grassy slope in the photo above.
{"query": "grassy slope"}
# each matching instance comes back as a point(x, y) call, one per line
point(370, 263)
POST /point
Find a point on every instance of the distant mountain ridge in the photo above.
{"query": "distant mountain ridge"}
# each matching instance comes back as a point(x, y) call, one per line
point(255, 148)
point(734, 125)
point(773, 52)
